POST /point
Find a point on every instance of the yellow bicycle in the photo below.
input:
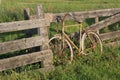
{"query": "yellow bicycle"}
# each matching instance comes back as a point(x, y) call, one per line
point(64, 46)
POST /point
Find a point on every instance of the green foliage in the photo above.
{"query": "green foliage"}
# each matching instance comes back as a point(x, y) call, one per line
point(91, 67)
point(13, 10)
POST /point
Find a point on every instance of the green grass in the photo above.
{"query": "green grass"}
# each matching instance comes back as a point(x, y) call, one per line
point(13, 10)
point(91, 67)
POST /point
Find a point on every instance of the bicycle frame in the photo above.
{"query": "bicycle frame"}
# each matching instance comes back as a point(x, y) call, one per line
point(64, 35)
point(82, 48)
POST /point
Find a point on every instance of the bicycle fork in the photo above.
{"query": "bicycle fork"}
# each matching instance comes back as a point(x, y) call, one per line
point(80, 40)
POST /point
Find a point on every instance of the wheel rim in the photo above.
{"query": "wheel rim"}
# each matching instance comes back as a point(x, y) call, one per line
point(61, 54)
point(91, 42)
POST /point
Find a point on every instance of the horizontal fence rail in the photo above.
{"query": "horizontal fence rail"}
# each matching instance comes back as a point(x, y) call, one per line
point(21, 44)
point(112, 16)
point(25, 59)
point(23, 25)
point(105, 23)
point(110, 35)
point(41, 21)
point(80, 14)
point(44, 55)
point(90, 14)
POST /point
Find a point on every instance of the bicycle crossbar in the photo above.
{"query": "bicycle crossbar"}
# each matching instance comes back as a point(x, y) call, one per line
point(72, 25)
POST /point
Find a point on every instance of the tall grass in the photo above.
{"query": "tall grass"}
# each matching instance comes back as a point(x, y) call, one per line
point(91, 67)
point(104, 66)
point(13, 9)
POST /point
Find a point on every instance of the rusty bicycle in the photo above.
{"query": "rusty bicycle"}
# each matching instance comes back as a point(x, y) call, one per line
point(64, 46)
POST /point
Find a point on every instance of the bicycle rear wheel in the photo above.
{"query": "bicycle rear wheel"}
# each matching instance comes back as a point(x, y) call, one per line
point(91, 43)
point(62, 50)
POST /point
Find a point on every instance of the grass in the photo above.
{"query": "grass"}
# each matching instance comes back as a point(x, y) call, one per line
point(13, 10)
point(91, 67)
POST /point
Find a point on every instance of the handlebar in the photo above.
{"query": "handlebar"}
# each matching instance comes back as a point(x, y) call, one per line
point(60, 19)
point(76, 19)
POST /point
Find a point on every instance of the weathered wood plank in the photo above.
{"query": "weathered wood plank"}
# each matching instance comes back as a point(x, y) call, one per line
point(96, 21)
point(110, 35)
point(39, 15)
point(83, 14)
point(26, 14)
point(21, 44)
point(116, 43)
point(104, 23)
point(44, 33)
point(23, 25)
point(44, 30)
point(39, 12)
point(90, 14)
point(25, 59)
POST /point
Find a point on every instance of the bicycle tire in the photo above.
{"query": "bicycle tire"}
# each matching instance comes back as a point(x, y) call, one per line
point(58, 51)
point(97, 42)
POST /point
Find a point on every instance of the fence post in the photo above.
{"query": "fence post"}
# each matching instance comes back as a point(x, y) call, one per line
point(39, 12)
point(44, 32)
point(26, 14)
point(96, 21)
point(40, 15)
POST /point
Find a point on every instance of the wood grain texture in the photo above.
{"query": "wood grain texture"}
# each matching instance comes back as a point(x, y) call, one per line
point(110, 35)
point(105, 22)
point(41, 24)
point(23, 25)
point(82, 14)
point(39, 12)
point(21, 44)
point(27, 14)
point(90, 14)
point(25, 59)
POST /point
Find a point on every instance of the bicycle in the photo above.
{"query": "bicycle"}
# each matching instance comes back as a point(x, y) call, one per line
point(63, 46)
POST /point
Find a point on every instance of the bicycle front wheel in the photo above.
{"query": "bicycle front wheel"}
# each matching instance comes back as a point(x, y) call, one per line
point(62, 50)
point(91, 43)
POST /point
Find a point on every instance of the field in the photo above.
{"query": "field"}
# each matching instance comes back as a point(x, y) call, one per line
point(104, 66)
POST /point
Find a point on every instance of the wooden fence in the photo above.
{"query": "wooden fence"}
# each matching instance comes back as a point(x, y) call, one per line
point(44, 55)
point(112, 16)
point(40, 22)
